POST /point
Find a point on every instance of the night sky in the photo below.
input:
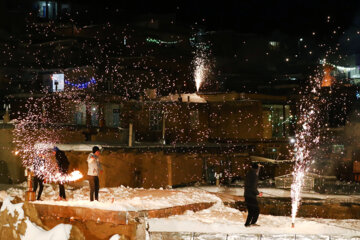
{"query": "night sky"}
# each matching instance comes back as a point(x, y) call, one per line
point(295, 17)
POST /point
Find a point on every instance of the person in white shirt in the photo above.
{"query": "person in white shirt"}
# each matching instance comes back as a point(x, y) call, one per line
point(94, 169)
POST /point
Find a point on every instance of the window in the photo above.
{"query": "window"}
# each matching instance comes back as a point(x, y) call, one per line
point(78, 118)
point(80, 113)
point(280, 119)
point(52, 9)
point(155, 118)
point(338, 149)
point(116, 117)
point(94, 116)
point(57, 82)
point(274, 45)
point(194, 118)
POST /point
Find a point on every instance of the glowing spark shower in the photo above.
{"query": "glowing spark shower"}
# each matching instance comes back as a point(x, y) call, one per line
point(200, 72)
point(37, 132)
point(73, 176)
point(307, 138)
point(202, 66)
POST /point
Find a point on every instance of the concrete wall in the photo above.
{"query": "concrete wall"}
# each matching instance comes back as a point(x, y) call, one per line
point(142, 169)
point(11, 170)
point(159, 166)
point(187, 167)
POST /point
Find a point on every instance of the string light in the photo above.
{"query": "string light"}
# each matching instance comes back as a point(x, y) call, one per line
point(153, 40)
point(81, 85)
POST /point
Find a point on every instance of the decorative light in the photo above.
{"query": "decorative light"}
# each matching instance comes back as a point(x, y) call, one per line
point(81, 85)
point(157, 41)
point(357, 95)
point(340, 68)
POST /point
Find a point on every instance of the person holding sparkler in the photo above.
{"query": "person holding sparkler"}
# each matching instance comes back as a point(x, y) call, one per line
point(251, 192)
point(63, 166)
point(38, 179)
point(94, 168)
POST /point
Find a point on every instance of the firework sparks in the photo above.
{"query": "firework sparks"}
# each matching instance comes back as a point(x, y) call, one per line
point(36, 155)
point(306, 139)
point(202, 66)
point(200, 72)
point(63, 178)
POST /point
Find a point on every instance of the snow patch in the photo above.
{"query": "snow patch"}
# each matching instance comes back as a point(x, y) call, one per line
point(115, 237)
point(3, 195)
point(11, 208)
point(222, 219)
point(59, 232)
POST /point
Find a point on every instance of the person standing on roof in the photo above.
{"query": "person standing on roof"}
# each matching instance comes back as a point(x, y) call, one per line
point(251, 192)
point(38, 178)
point(63, 166)
point(94, 168)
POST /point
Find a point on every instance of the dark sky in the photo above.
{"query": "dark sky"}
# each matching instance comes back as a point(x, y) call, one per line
point(290, 16)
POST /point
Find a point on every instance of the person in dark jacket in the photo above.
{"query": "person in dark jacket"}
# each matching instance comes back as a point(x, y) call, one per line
point(63, 166)
point(251, 192)
point(38, 179)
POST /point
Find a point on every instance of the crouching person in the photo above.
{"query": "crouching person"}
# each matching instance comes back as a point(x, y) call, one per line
point(94, 168)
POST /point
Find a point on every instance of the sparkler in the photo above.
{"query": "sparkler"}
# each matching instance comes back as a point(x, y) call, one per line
point(63, 178)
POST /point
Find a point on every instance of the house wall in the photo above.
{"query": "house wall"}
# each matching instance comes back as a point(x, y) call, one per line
point(11, 170)
point(238, 120)
point(195, 122)
point(143, 167)
point(154, 169)
point(183, 126)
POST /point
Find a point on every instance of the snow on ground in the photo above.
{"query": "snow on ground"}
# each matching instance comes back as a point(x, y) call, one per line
point(115, 237)
point(59, 232)
point(217, 219)
point(281, 193)
point(12, 208)
point(120, 198)
point(221, 219)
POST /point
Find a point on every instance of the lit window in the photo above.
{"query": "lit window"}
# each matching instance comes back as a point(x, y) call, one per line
point(155, 118)
point(274, 44)
point(338, 149)
point(194, 118)
point(57, 82)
